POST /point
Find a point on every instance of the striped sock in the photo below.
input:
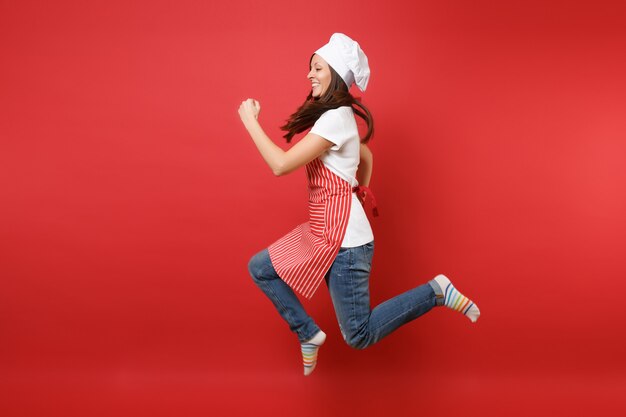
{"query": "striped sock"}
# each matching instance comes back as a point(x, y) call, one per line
point(309, 351)
point(455, 300)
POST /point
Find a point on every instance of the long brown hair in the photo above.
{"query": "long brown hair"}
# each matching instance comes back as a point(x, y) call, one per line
point(335, 96)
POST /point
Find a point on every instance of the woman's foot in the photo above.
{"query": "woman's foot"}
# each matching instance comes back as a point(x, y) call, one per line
point(309, 351)
point(455, 300)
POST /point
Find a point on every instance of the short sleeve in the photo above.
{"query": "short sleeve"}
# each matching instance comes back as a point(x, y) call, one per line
point(331, 125)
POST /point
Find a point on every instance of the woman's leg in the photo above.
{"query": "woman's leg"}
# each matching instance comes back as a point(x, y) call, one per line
point(282, 296)
point(348, 283)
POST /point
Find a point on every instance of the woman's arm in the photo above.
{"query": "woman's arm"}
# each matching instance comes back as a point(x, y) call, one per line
point(281, 162)
point(364, 172)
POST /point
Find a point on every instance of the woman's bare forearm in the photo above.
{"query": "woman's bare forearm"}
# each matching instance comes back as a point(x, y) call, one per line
point(273, 155)
point(366, 164)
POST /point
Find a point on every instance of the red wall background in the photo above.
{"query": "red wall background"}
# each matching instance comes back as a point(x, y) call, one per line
point(133, 198)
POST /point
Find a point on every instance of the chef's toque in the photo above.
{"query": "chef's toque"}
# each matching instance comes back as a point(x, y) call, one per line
point(347, 59)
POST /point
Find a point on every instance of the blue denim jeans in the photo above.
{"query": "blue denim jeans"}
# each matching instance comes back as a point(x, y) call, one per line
point(348, 283)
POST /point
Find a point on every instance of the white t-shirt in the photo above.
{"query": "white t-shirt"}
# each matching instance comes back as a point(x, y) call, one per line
point(339, 126)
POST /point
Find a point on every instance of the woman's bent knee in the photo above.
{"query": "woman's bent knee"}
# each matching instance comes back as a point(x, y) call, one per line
point(257, 264)
point(254, 266)
point(359, 342)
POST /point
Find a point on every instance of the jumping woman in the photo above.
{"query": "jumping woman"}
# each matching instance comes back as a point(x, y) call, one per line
point(336, 244)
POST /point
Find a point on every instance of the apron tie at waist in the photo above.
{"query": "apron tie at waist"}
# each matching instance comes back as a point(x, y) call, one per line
point(363, 191)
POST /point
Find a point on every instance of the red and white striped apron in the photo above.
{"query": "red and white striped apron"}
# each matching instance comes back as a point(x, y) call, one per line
point(302, 257)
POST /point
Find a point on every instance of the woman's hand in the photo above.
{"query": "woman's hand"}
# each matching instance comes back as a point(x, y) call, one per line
point(249, 110)
point(361, 196)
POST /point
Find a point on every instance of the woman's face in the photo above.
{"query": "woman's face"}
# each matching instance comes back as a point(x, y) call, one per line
point(319, 76)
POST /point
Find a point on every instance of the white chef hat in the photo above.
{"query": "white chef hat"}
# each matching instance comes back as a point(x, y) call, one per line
point(347, 59)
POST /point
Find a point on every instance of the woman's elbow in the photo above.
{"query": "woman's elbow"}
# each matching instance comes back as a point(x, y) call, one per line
point(280, 171)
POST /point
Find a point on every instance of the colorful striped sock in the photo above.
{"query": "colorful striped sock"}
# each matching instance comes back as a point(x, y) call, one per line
point(309, 352)
point(455, 300)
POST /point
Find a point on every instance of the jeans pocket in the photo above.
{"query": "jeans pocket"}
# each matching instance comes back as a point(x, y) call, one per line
point(359, 260)
point(368, 253)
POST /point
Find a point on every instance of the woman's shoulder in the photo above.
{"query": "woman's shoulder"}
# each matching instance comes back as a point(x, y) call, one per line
point(340, 115)
point(344, 109)
point(339, 111)
point(338, 118)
